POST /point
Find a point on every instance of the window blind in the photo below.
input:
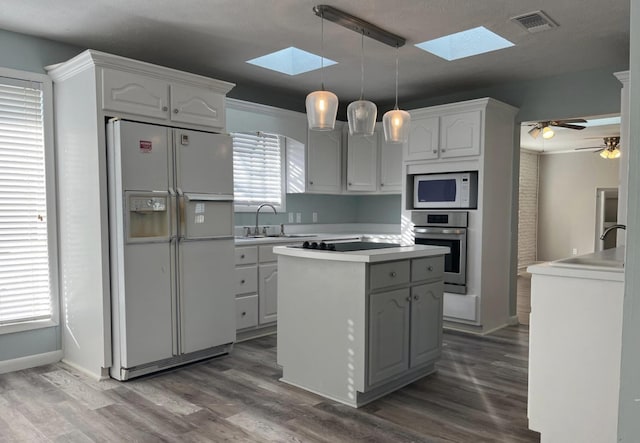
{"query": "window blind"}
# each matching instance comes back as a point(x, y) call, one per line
point(257, 169)
point(24, 257)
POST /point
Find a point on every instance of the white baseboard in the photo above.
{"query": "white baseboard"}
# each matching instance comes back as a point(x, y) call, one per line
point(99, 377)
point(30, 361)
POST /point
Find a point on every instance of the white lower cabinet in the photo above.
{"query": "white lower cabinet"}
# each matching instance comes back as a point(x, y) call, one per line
point(246, 311)
point(426, 323)
point(268, 292)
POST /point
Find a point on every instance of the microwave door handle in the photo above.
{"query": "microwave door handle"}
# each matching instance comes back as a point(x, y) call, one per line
point(439, 231)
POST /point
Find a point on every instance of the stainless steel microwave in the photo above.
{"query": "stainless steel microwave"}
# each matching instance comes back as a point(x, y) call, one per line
point(449, 190)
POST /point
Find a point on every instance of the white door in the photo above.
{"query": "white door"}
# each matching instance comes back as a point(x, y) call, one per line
point(198, 106)
point(146, 307)
point(362, 162)
point(142, 154)
point(204, 162)
point(390, 166)
point(206, 299)
point(426, 323)
point(423, 139)
point(461, 134)
point(134, 94)
point(268, 293)
point(324, 156)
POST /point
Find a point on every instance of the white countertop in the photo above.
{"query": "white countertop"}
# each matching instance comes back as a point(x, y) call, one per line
point(366, 256)
point(601, 265)
point(248, 241)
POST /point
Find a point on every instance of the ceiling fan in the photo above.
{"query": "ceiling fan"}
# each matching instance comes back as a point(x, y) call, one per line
point(610, 148)
point(547, 132)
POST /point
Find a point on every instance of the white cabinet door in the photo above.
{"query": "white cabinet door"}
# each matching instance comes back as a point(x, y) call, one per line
point(324, 155)
point(426, 323)
point(268, 293)
point(460, 134)
point(134, 94)
point(206, 301)
point(389, 317)
point(197, 106)
point(423, 139)
point(362, 162)
point(390, 166)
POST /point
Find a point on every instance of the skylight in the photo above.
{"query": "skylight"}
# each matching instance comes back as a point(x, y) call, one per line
point(465, 44)
point(290, 61)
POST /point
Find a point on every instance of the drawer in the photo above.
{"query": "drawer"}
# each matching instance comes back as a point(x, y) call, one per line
point(246, 279)
point(389, 274)
point(246, 255)
point(427, 268)
point(246, 312)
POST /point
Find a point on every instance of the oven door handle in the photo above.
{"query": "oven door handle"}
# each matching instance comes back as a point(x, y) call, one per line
point(439, 231)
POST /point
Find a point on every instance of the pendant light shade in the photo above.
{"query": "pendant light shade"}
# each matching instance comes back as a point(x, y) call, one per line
point(396, 122)
point(322, 106)
point(547, 132)
point(396, 126)
point(362, 114)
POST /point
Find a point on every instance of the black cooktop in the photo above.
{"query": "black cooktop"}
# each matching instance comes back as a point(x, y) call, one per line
point(346, 246)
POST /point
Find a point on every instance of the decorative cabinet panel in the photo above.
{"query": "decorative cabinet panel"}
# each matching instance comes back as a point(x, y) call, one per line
point(460, 134)
point(390, 167)
point(268, 293)
point(362, 162)
point(324, 161)
point(197, 106)
point(426, 323)
point(134, 94)
point(389, 317)
point(424, 139)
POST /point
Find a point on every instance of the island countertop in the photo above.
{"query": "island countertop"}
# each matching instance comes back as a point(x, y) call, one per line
point(364, 256)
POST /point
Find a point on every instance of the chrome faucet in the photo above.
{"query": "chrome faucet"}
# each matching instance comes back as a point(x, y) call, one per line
point(256, 231)
point(611, 228)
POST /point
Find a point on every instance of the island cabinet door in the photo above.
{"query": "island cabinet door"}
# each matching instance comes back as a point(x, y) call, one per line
point(426, 323)
point(268, 293)
point(389, 316)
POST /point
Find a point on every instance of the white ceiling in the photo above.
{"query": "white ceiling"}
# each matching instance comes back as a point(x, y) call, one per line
point(216, 37)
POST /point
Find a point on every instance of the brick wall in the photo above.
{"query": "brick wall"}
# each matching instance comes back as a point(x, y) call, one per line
point(528, 208)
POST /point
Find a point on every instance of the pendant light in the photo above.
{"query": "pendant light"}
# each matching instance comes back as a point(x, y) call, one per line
point(322, 106)
point(362, 114)
point(396, 122)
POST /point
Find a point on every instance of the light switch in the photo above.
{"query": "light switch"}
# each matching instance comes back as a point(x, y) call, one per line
point(315, 217)
point(298, 217)
point(290, 217)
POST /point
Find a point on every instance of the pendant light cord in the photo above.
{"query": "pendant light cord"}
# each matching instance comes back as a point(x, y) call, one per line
point(362, 67)
point(322, 50)
point(397, 51)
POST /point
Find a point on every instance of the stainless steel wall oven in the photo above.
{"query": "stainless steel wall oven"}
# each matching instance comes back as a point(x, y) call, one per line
point(443, 228)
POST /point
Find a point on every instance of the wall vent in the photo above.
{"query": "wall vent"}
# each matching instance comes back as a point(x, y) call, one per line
point(535, 21)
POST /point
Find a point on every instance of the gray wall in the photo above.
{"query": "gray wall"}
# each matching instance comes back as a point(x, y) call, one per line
point(32, 54)
point(567, 201)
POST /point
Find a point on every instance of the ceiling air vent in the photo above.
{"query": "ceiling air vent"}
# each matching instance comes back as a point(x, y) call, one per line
point(535, 21)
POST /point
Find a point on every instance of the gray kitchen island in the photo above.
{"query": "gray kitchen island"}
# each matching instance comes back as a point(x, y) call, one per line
point(354, 325)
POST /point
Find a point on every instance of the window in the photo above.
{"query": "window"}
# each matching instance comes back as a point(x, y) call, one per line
point(27, 217)
point(257, 170)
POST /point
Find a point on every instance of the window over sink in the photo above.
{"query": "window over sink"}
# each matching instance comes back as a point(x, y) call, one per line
point(258, 170)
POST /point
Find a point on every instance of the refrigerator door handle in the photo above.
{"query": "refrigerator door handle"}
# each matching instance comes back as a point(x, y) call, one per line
point(175, 308)
point(181, 212)
point(209, 197)
point(173, 223)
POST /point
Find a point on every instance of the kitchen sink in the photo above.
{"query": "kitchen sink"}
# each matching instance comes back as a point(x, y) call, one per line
point(278, 236)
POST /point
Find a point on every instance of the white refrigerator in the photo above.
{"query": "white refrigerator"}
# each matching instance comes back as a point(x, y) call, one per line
point(171, 246)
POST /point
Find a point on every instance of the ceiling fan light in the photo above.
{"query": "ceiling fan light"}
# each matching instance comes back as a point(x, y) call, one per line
point(361, 116)
point(396, 126)
point(604, 153)
point(535, 131)
point(547, 132)
point(322, 108)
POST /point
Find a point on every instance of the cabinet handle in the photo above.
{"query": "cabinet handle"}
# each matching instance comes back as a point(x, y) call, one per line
point(435, 151)
point(443, 150)
point(310, 183)
point(175, 110)
point(242, 282)
point(165, 109)
point(409, 298)
point(416, 297)
point(350, 183)
point(381, 184)
point(244, 313)
point(429, 268)
point(242, 256)
point(393, 274)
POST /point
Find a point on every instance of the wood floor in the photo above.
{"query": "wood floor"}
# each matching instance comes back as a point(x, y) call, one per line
point(479, 394)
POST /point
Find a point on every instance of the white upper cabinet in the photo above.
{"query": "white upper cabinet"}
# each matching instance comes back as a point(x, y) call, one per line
point(324, 161)
point(390, 167)
point(134, 94)
point(362, 162)
point(424, 139)
point(460, 134)
point(197, 106)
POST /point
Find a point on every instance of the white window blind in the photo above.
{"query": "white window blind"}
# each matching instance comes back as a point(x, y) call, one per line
point(25, 293)
point(257, 170)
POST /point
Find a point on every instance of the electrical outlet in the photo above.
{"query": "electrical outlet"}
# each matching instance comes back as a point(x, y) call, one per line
point(290, 217)
point(298, 217)
point(574, 251)
point(315, 217)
